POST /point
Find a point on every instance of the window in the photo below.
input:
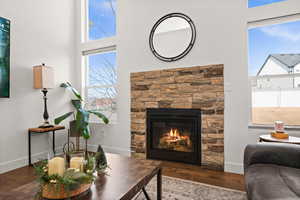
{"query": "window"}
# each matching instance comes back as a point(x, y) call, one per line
point(255, 3)
point(274, 64)
point(99, 57)
point(101, 83)
point(102, 19)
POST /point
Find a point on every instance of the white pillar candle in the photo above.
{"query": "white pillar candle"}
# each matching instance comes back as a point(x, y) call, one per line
point(56, 166)
point(77, 163)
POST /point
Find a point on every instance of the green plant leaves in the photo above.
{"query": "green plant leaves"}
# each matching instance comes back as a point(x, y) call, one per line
point(82, 115)
point(86, 133)
point(76, 103)
point(82, 122)
point(63, 117)
point(68, 86)
point(71, 179)
point(100, 115)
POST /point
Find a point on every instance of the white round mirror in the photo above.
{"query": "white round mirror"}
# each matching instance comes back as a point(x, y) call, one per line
point(172, 37)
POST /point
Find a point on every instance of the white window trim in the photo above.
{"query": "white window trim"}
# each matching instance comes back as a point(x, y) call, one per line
point(275, 10)
point(87, 47)
point(280, 12)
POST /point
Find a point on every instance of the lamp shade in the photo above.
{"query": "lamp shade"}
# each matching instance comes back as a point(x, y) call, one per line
point(43, 77)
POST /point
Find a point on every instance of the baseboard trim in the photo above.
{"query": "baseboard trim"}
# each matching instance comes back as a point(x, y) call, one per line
point(110, 149)
point(21, 162)
point(232, 167)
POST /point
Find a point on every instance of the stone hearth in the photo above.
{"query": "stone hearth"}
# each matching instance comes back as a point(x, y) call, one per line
point(200, 87)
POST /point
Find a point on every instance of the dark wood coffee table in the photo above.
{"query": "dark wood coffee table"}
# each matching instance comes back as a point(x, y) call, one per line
point(126, 178)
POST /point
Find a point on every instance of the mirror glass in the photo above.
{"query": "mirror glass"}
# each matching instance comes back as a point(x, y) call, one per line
point(172, 37)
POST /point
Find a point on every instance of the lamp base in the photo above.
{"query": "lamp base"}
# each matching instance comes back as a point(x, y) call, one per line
point(46, 125)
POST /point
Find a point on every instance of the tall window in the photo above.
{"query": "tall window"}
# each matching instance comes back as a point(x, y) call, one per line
point(255, 3)
point(99, 55)
point(101, 83)
point(102, 19)
point(274, 69)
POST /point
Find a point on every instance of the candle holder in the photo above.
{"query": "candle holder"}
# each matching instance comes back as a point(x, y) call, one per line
point(63, 181)
point(279, 127)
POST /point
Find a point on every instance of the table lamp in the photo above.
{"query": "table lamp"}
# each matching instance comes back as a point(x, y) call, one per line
point(43, 78)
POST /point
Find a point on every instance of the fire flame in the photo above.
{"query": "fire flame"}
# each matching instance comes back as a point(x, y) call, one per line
point(174, 133)
point(173, 139)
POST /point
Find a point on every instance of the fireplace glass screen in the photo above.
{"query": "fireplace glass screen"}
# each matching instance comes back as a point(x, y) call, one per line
point(175, 135)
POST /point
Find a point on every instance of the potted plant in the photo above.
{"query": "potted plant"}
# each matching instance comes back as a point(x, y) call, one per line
point(80, 125)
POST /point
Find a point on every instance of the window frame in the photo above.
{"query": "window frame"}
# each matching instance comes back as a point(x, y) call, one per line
point(267, 21)
point(87, 86)
point(88, 47)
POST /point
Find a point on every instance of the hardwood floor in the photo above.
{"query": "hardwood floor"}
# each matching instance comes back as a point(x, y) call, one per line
point(21, 176)
point(16, 178)
point(199, 174)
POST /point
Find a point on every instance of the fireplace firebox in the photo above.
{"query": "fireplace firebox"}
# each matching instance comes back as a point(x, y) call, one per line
point(174, 134)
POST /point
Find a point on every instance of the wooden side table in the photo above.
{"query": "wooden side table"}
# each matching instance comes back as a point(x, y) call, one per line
point(269, 138)
point(34, 131)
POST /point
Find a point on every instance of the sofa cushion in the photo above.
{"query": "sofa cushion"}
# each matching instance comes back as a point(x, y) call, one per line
point(267, 181)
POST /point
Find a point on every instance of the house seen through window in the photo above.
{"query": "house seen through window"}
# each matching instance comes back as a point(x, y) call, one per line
point(274, 69)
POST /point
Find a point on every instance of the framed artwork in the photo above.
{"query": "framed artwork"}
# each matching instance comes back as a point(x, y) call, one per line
point(4, 57)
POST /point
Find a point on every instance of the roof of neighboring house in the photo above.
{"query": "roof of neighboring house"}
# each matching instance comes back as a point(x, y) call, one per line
point(289, 60)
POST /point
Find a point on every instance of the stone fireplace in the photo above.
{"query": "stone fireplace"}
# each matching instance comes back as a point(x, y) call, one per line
point(197, 89)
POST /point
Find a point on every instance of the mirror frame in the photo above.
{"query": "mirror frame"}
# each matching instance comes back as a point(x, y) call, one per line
point(186, 51)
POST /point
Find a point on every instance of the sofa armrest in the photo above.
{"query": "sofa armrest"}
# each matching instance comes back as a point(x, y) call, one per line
point(272, 153)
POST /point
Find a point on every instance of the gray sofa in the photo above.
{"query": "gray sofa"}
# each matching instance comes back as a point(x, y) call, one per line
point(272, 171)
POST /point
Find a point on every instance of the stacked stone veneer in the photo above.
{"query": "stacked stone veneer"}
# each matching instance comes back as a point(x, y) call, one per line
point(199, 87)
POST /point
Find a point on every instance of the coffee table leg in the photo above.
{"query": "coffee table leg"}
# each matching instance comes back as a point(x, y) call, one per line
point(145, 193)
point(159, 183)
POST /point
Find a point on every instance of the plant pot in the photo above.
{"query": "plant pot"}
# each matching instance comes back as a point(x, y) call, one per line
point(51, 191)
point(101, 173)
point(73, 131)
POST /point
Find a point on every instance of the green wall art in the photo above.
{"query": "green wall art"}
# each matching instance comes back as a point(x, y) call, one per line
point(4, 57)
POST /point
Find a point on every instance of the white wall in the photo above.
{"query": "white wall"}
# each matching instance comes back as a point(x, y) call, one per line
point(297, 79)
point(297, 68)
point(221, 38)
point(41, 31)
point(273, 67)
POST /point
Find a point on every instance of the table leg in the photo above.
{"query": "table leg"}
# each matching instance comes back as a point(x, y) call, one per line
point(159, 183)
point(29, 148)
point(146, 194)
point(53, 143)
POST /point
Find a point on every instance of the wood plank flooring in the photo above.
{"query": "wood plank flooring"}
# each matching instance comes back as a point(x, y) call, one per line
point(25, 175)
point(21, 176)
point(202, 175)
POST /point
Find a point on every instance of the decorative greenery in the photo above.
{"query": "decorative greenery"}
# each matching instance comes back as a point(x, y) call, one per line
point(101, 161)
point(81, 114)
point(71, 179)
